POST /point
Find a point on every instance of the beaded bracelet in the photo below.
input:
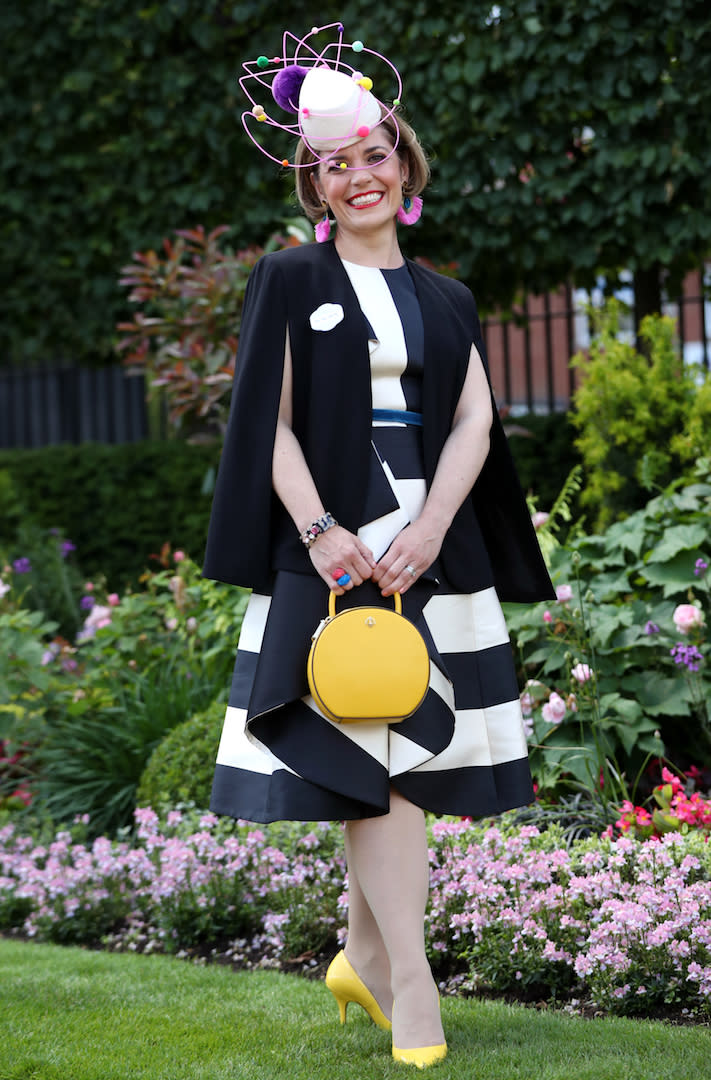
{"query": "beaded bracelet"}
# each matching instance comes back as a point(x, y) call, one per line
point(316, 528)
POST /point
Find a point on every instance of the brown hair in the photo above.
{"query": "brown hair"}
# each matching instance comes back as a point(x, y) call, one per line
point(408, 150)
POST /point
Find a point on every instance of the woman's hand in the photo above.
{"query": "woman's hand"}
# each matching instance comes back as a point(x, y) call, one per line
point(410, 554)
point(340, 550)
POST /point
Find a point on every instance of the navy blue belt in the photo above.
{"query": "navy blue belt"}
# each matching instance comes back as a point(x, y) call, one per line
point(399, 416)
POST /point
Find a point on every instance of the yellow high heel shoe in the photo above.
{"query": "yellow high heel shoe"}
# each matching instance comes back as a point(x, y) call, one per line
point(421, 1056)
point(346, 986)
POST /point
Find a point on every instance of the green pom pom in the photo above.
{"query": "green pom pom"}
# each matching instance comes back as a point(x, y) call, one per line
point(262, 61)
point(396, 102)
point(357, 46)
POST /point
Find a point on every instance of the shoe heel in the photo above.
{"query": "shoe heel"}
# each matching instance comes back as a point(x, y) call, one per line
point(345, 985)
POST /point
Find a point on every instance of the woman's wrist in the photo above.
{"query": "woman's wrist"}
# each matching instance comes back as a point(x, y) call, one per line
point(317, 528)
point(434, 524)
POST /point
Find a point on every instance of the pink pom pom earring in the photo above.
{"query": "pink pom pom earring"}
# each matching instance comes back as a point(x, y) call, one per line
point(410, 210)
point(323, 227)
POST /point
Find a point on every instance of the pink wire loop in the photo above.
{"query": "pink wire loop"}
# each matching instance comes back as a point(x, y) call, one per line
point(306, 56)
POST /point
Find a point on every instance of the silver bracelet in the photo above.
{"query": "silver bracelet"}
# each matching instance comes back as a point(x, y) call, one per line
point(317, 528)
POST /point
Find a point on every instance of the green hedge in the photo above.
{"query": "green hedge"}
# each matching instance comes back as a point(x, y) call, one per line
point(121, 122)
point(544, 458)
point(118, 504)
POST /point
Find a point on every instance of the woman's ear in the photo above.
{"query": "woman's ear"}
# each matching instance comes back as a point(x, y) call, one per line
point(404, 172)
point(313, 177)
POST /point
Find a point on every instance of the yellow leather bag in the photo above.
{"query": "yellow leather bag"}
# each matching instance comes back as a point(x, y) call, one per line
point(368, 664)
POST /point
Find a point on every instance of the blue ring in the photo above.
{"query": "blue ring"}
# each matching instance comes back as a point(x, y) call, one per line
point(343, 579)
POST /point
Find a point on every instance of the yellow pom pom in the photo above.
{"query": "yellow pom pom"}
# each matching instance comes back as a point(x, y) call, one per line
point(366, 83)
point(342, 165)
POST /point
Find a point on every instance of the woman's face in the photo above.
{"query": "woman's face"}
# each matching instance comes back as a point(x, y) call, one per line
point(365, 195)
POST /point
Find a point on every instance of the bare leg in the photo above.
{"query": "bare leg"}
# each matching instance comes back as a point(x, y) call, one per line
point(389, 856)
point(365, 948)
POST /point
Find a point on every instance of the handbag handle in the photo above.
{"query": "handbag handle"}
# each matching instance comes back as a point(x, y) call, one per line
point(332, 604)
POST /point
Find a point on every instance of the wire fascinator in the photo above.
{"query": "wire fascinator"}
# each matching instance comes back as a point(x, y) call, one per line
point(333, 100)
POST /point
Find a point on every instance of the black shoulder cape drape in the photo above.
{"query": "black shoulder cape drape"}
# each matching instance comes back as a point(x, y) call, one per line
point(250, 534)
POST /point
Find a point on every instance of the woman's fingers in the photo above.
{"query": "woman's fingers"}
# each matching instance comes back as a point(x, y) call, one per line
point(405, 560)
point(398, 577)
point(339, 554)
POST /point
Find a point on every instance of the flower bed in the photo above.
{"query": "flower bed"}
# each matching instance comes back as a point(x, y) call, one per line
point(621, 924)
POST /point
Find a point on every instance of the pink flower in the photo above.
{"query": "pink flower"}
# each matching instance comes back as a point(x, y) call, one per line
point(532, 693)
point(686, 617)
point(98, 616)
point(178, 556)
point(547, 617)
point(113, 599)
point(581, 673)
point(539, 518)
point(88, 586)
point(554, 709)
point(563, 593)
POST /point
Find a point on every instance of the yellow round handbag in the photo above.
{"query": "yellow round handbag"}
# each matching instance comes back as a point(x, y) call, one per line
point(368, 664)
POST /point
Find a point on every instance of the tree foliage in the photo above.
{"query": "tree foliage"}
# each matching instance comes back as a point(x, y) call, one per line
point(567, 138)
point(643, 419)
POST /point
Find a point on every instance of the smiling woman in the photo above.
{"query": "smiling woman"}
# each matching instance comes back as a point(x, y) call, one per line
point(313, 175)
point(364, 456)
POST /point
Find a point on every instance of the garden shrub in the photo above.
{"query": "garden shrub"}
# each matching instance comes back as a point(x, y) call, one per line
point(48, 579)
point(180, 768)
point(87, 714)
point(118, 504)
point(617, 667)
point(642, 420)
point(544, 457)
point(91, 756)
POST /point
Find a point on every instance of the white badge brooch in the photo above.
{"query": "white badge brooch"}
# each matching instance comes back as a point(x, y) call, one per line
point(326, 317)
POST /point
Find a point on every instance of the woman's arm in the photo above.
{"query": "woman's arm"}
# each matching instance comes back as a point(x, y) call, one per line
point(460, 463)
point(337, 548)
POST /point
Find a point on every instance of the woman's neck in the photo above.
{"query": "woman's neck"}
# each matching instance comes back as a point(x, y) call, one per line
point(381, 250)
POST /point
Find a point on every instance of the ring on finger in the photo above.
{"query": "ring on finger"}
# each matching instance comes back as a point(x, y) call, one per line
point(344, 579)
point(338, 572)
point(411, 570)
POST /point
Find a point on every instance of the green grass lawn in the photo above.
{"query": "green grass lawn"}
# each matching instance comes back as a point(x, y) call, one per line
point(70, 1014)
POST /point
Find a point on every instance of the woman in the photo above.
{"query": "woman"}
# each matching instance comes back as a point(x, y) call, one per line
point(364, 456)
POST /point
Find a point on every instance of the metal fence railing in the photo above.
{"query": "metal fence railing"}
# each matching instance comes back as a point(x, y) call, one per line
point(62, 404)
point(529, 352)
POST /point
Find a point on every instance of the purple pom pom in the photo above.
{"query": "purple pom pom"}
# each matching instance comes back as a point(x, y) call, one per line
point(286, 87)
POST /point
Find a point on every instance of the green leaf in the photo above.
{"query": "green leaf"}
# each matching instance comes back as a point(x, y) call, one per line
point(607, 621)
point(662, 696)
point(679, 538)
point(676, 575)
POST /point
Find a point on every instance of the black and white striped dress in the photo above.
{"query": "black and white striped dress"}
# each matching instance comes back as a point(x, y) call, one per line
point(464, 751)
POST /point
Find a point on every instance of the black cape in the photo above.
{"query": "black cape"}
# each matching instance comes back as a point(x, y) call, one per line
point(250, 535)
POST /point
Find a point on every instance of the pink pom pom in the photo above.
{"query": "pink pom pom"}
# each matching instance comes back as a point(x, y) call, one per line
point(323, 229)
point(412, 214)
